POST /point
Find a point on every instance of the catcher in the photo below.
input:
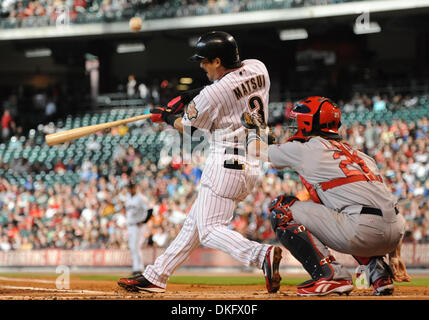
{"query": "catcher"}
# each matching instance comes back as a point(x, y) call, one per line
point(352, 211)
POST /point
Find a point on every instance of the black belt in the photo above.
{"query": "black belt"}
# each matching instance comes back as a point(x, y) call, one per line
point(149, 215)
point(374, 211)
point(233, 163)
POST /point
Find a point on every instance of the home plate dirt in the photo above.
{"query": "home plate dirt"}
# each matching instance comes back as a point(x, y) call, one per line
point(12, 288)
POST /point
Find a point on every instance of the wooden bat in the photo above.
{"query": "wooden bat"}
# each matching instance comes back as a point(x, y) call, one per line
point(68, 135)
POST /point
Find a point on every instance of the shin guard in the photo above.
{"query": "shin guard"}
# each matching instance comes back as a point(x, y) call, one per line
point(299, 241)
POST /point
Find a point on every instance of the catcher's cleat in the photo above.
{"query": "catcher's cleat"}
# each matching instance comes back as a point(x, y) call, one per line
point(136, 273)
point(383, 286)
point(323, 287)
point(139, 284)
point(379, 270)
point(271, 269)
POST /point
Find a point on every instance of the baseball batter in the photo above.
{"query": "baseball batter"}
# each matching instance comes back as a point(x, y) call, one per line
point(352, 210)
point(138, 213)
point(229, 175)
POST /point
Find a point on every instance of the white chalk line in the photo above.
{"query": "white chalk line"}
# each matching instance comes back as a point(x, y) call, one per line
point(27, 280)
point(57, 290)
point(48, 289)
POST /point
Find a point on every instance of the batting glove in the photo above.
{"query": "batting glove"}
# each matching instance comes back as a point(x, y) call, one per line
point(159, 114)
point(177, 105)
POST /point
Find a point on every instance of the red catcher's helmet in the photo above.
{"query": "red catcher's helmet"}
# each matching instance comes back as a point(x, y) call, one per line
point(317, 116)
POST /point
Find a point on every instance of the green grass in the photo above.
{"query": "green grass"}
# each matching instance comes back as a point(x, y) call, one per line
point(229, 280)
point(95, 277)
point(255, 280)
point(421, 282)
point(204, 280)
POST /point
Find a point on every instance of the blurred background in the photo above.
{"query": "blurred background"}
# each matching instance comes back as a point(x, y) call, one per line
point(71, 63)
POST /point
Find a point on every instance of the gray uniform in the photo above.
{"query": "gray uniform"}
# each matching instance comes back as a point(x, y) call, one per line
point(136, 211)
point(338, 222)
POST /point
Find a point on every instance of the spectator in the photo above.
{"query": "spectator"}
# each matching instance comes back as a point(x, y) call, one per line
point(90, 214)
point(379, 104)
point(5, 244)
point(59, 167)
point(143, 92)
point(93, 144)
point(50, 110)
point(7, 125)
point(371, 136)
point(131, 86)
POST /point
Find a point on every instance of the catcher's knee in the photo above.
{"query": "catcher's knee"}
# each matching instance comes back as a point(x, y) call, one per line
point(297, 239)
point(280, 213)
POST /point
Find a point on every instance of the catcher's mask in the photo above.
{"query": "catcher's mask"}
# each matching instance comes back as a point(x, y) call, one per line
point(315, 116)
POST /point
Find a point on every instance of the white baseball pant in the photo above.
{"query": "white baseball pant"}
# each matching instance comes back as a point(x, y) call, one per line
point(206, 224)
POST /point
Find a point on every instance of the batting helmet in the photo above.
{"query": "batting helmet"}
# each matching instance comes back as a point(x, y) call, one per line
point(316, 116)
point(218, 44)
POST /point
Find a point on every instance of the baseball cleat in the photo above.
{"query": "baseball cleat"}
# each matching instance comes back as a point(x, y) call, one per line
point(323, 287)
point(271, 269)
point(139, 284)
point(383, 286)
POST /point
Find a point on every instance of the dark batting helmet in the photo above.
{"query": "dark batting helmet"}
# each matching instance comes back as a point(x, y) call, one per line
point(218, 44)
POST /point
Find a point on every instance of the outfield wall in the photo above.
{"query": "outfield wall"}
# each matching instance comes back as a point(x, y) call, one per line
point(414, 255)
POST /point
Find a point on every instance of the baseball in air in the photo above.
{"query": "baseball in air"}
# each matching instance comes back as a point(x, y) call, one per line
point(136, 24)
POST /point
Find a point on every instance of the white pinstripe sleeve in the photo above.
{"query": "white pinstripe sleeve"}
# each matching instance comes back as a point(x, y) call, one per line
point(199, 113)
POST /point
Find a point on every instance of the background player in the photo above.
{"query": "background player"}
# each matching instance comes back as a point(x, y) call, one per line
point(138, 213)
point(228, 175)
point(352, 210)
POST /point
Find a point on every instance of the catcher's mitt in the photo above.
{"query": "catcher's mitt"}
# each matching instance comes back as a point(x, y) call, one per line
point(251, 122)
point(399, 269)
point(262, 130)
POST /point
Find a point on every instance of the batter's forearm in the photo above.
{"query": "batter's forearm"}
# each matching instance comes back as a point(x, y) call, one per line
point(178, 124)
point(181, 128)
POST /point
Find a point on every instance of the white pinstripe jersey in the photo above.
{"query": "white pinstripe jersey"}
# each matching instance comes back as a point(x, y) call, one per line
point(218, 109)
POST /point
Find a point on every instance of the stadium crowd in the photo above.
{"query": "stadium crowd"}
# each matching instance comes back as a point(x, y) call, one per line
point(91, 214)
point(27, 13)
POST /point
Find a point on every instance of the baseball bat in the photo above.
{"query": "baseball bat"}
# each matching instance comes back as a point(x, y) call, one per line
point(69, 135)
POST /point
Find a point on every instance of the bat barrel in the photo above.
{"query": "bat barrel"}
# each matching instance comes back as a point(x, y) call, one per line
point(68, 135)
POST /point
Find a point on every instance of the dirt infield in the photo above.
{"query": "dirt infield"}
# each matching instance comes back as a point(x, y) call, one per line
point(45, 288)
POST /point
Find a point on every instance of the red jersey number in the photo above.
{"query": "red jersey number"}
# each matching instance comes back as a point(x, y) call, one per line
point(350, 159)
